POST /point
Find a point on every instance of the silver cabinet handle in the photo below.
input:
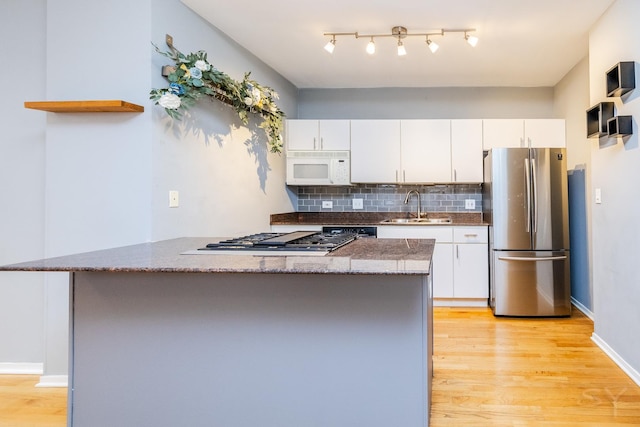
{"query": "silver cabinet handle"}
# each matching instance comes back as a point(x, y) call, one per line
point(321, 143)
point(455, 175)
point(544, 258)
point(471, 235)
point(404, 175)
point(314, 144)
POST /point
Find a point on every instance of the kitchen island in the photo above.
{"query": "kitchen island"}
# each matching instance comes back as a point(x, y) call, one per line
point(159, 338)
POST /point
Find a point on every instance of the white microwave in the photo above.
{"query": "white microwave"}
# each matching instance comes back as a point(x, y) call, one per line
point(318, 168)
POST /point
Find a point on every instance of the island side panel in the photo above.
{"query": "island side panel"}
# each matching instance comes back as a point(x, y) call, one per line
point(167, 349)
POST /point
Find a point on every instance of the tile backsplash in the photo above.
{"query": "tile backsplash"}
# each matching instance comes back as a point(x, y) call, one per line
point(390, 198)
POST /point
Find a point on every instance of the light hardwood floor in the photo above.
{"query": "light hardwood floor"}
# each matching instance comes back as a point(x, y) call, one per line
point(525, 372)
point(488, 372)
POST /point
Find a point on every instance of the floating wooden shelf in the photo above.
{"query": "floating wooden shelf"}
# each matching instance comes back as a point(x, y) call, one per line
point(100, 106)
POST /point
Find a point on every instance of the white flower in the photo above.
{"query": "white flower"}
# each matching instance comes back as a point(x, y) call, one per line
point(249, 101)
point(170, 101)
point(255, 93)
point(202, 65)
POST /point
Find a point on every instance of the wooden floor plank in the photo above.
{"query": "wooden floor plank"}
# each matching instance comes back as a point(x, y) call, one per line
point(488, 371)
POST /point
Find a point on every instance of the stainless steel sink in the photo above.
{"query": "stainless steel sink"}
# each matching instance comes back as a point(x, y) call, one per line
point(415, 221)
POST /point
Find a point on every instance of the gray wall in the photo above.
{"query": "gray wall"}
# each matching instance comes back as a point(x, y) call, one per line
point(616, 171)
point(22, 154)
point(101, 180)
point(426, 103)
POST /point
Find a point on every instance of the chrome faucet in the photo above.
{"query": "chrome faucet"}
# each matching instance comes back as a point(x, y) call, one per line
point(406, 200)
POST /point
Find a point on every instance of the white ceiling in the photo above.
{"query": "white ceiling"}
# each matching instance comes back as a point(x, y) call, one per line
point(522, 42)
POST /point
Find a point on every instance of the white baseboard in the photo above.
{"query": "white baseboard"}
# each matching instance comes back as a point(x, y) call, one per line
point(633, 374)
point(582, 308)
point(22, 368)
point(53, 381)
point(460, 302)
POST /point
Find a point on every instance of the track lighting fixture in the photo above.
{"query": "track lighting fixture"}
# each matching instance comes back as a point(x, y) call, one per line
point(400, 33)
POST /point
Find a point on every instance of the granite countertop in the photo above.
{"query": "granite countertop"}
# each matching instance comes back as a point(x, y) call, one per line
point(371, 218)
point(363, 256)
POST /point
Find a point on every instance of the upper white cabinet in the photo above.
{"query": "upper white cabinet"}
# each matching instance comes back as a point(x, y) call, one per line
point(310, 135)
point(523, 133)
point(466, 151)
point(416, 151)
point(375, 151)
point(425, 151)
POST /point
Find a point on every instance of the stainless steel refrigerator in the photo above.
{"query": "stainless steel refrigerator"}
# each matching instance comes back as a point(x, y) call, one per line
point(525, 202)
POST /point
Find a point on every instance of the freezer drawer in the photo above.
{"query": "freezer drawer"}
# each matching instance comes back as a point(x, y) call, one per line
point(530, 283)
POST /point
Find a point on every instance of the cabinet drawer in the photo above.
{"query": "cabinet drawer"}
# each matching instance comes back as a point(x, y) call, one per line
point(441, 234)
point(470, 235)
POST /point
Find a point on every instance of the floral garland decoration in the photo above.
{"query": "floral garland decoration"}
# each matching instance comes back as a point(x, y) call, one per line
point(194, 77)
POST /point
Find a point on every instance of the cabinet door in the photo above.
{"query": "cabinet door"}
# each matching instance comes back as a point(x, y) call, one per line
point(502, 133)
point(335, 135)
point(470, 271)
point(425, 147)
point(542, 133)
point(466, 151)
point(302, 134)
point(443, 286)
point(375, 151)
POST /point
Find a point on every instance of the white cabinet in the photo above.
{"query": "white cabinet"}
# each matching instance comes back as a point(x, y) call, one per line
point(416, 151)
point(310, 135)
point(470, 262)
point(466, 151)
point(523, 133)
point(460, 260)
point(425, 151)
point(375, 151)
point(442, 254)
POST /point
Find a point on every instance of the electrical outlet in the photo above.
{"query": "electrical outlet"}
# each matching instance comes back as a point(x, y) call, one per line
point(174, 199)
point(469, 204)
point(357, 204)
point(327, 204)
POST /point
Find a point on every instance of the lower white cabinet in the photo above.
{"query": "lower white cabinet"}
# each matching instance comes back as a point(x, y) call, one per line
point(460, 261)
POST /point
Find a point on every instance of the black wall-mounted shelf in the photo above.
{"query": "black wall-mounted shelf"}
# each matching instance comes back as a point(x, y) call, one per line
point(597, 117)
point(621, 79)
point(620, 126)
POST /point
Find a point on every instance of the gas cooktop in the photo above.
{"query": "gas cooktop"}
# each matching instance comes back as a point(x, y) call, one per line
point(297, 241)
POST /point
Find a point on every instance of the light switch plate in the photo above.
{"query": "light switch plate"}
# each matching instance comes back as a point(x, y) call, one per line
point(174, 199)
point(327, 204)
point(598, 198)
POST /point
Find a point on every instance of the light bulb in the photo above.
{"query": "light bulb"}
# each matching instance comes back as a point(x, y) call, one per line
point(371, 47)
point(401, 50)
point(329, 47)
point(472, 40)
point(433, 46)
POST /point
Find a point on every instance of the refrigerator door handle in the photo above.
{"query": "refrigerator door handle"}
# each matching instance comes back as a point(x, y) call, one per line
point(535, 195)
point(544, 258)
point(527, 179)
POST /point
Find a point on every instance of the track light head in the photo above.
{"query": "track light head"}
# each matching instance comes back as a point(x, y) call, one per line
point(433, 46)
point(371, 47)
point(331, 45)
point(401, 50)
point(472, 40)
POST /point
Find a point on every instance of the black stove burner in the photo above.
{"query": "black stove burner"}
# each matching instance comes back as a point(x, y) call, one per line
point(295, 241)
